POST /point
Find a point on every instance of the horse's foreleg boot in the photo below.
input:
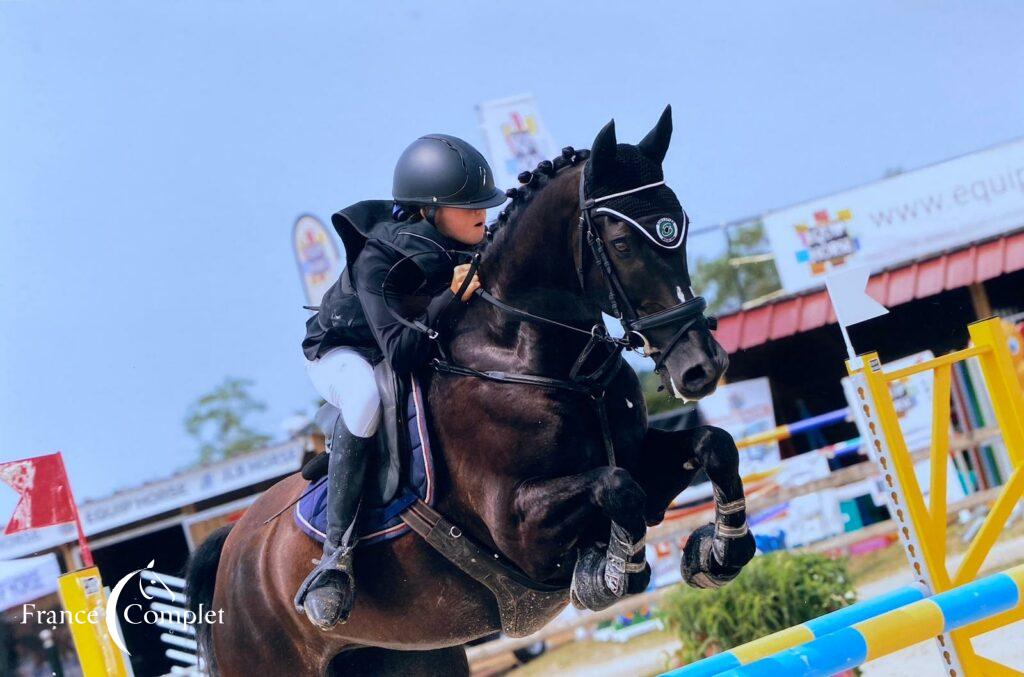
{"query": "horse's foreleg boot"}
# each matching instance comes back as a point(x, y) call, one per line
point(715, 553)
point(327, 595)
point(588, 589)
point(623, 500)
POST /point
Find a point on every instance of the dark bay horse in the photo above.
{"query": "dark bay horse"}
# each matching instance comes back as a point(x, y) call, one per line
point(524, 470)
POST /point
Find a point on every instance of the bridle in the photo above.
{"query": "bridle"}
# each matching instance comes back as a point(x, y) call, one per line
point(686, 314)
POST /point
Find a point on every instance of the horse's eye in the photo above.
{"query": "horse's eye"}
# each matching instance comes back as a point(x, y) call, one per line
point(621, 245)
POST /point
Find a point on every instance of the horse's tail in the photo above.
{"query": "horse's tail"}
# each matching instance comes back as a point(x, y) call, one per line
point(200, 579)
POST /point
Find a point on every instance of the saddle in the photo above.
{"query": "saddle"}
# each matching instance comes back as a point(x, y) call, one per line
point(397, 475)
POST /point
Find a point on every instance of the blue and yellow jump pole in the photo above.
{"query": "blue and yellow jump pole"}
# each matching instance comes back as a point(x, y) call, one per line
point(800, 634)
point(848, 647)
point(787, 430)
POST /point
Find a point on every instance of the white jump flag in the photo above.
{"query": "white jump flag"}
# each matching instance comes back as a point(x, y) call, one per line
point(848, 291)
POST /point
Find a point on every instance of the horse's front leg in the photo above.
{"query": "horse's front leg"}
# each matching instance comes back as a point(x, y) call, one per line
point(715, 553)
point(555, 513)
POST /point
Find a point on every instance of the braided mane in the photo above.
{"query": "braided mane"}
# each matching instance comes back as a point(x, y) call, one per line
point(533, 183)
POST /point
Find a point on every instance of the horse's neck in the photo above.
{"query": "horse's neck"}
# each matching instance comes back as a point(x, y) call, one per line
point(531, 267)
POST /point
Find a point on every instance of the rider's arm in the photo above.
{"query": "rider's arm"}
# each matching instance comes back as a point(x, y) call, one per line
point(405, 349)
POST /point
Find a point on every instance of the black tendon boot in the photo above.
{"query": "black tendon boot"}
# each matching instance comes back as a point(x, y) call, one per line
point(328, 593)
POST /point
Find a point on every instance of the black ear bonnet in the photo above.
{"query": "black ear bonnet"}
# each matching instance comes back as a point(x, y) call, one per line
point(654, 211)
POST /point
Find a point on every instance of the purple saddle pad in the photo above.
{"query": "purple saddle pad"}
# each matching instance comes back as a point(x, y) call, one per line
point(380, 523)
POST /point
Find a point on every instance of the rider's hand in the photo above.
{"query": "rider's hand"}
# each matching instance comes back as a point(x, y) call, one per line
point(460, 276)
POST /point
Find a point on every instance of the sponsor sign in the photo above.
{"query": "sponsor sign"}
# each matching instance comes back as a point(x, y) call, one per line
point(912, 215)
point(516, 137)
point(744, 408)
point(317, 256)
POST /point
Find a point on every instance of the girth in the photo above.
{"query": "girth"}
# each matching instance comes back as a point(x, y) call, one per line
point(519, 598)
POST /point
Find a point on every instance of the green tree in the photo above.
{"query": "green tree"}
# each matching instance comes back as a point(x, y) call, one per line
point(744, 272)
point(218, 420)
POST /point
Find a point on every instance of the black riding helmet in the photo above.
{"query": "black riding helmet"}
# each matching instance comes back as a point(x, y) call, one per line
point(444, 171)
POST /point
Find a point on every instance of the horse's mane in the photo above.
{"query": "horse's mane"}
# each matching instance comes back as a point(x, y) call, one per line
point(532, 184)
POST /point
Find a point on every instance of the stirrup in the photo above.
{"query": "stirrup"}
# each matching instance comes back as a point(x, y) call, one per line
point(339, 559)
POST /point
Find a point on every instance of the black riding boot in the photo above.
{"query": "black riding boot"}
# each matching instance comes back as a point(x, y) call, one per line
point(328, 593)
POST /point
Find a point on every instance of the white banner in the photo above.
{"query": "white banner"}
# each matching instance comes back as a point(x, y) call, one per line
point(908, 216)
point(317, 256)
point(742, 409)
point(516, 137)
point(23, 580)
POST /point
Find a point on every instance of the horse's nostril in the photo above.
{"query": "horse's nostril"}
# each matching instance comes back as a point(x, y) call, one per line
point(695, 377)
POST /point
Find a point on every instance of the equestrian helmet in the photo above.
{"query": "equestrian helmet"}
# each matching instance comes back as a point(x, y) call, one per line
point(444, 171)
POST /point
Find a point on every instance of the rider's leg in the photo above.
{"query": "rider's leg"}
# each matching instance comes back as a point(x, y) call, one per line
point(345, 379)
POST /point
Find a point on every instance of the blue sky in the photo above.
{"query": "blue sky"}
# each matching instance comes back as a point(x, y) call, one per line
point(154, 156)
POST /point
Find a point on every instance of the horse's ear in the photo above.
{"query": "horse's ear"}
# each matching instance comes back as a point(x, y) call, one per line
point(655, 144)
point(602, 153)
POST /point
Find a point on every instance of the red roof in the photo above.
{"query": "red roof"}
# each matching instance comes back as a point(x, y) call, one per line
point(810, 310)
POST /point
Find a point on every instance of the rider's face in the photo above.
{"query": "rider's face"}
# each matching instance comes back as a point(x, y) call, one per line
point(464, 225)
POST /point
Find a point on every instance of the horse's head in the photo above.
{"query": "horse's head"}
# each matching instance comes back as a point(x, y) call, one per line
point(632, 259)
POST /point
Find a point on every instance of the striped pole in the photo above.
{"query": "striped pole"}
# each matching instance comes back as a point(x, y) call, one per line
point(889, 632)
point(787, 430)
point(799, 634)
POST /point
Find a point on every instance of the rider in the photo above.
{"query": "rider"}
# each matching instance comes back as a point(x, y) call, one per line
point(442, 189)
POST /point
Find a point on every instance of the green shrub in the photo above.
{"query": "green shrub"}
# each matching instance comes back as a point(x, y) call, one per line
point(772, 593)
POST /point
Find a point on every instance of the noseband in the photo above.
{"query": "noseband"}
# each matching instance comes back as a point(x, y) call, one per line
point(685, 315)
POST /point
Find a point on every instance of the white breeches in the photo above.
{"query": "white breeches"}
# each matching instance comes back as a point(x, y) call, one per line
point(344, 379)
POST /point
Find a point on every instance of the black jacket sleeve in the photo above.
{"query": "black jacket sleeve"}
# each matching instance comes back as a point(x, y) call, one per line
point(405, 349)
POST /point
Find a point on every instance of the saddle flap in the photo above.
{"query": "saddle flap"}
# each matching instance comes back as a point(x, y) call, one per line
point(391, 441)
point(399, 472)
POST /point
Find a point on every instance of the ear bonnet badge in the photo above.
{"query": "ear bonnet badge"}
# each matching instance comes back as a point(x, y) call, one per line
point(667, 230)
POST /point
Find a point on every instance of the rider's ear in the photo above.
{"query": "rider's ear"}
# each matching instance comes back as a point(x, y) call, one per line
point(602, 154)
point(655, 144)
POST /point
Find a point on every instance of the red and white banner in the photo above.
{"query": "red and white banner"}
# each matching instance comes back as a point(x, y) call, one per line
point(42, 485)
point(44, 496)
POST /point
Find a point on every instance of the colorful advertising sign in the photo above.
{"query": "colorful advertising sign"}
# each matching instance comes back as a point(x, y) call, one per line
point(317, 256)
point(901, 218)
point(516, 137)
point(743, 409)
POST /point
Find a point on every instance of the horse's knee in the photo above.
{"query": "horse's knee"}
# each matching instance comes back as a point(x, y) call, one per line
point(716, 450)
point(617, 490)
